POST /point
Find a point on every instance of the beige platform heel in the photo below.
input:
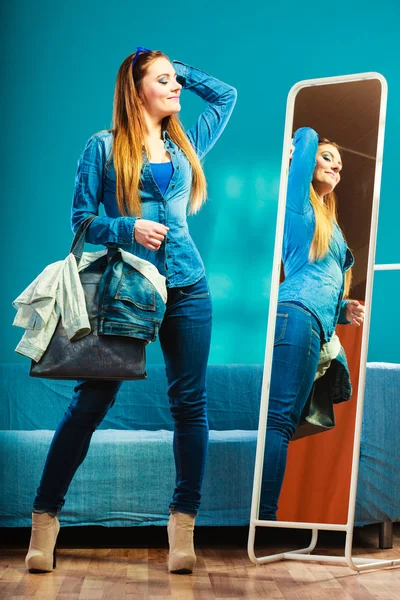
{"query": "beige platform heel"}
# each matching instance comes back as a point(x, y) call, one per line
point(41, 557)
point(182, 558)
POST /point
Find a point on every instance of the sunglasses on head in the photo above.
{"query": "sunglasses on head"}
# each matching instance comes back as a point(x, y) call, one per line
point(139, 50)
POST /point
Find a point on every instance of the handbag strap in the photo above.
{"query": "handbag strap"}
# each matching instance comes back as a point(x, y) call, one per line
point(78, 242)
point(79, 238)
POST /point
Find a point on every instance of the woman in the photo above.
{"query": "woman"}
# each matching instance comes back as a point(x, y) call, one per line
point(317, 269)
point(146, 171)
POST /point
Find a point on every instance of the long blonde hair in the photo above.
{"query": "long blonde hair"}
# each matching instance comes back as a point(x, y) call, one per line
point(129, 131)
point(325, 217)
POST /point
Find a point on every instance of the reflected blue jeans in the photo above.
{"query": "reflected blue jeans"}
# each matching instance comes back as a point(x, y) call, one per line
point(185, 336)
point(294, 365)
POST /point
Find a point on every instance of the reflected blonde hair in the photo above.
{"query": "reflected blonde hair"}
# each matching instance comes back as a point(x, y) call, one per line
point(129, 131)
point(325, 216)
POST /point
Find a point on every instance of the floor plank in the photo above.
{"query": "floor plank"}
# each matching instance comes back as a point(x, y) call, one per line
point(223, 572)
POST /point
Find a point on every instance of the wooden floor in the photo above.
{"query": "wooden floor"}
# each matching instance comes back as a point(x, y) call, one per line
point(223, 571)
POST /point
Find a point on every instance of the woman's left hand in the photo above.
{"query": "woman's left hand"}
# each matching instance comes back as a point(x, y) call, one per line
point(355, 312)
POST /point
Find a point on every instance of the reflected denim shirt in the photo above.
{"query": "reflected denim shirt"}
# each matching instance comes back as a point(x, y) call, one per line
point(318, 285)
point(177, 258)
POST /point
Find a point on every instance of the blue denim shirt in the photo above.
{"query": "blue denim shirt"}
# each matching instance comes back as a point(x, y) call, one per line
point(316, 285)
point(177, 258)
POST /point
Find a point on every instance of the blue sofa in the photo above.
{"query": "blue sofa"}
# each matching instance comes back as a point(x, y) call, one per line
point(128, 475)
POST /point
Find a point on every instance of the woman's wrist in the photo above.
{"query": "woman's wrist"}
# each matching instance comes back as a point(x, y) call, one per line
point(133, 230)
point(181, 71)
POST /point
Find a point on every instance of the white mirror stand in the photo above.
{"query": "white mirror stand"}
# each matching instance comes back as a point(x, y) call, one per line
point(304, 554)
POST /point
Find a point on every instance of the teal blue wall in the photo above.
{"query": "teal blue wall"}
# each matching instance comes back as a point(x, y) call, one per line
point(59, 67)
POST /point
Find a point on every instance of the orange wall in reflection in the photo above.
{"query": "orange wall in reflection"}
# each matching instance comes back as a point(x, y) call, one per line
point(317, 480)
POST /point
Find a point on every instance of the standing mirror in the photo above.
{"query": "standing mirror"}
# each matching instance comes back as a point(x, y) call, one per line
point(319, 486)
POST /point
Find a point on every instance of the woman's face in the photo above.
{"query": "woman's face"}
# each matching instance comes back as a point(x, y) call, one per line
point(326, 174)
point(159, 89)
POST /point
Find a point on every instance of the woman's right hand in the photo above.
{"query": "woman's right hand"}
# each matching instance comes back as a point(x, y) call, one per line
point(149, 233)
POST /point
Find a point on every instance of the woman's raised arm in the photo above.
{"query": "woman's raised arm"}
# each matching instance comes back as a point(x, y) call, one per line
point(221, 99)
point(301, 170)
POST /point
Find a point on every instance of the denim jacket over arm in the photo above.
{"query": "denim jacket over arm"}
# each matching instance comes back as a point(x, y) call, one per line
point(177, 258)
point(318, 285)
point(132, 299)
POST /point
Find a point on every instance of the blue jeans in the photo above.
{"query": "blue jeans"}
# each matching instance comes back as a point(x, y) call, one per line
point(295, 360)
point(185, 336)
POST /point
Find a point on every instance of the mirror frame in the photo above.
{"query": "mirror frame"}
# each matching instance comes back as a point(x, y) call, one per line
point(356, 564)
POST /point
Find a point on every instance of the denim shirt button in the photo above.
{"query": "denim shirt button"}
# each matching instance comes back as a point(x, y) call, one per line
point(173, 185)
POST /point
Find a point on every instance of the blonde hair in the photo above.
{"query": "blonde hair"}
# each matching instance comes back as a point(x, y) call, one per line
point(325, 216)
point(129, 131)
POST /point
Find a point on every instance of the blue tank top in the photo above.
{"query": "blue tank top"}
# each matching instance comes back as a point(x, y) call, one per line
point(162, 173)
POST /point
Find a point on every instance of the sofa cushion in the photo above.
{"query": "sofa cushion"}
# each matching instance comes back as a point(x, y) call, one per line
point(378, 491)
point(127, 478)
point(27, 403)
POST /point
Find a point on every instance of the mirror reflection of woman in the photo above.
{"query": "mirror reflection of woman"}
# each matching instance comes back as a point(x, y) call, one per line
point(146, 172)
point(312, 298)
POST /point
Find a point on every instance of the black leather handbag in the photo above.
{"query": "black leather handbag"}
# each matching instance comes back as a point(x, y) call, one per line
point(109, 357)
